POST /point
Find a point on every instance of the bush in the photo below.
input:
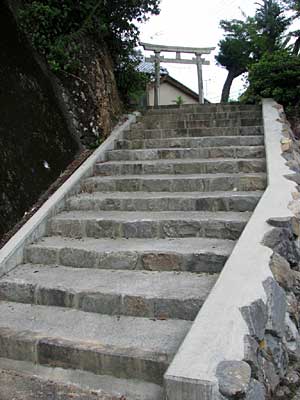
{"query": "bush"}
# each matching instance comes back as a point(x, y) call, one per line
point(276, 75)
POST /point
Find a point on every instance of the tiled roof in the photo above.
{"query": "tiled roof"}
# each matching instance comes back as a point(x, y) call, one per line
point(149, 68)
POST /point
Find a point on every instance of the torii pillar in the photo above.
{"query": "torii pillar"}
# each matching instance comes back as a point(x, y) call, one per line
point(157, 59)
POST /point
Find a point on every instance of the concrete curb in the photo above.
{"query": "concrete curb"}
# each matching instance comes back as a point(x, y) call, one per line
point(11, 254)
point(219, 331)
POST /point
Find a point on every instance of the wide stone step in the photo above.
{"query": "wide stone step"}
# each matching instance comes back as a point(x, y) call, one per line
point(190, 153)
point(198, 123)
point(181, 166)
point(192, 143)
point(179, 183)
point(191, 254)
point(23, 380)
point(137, 133)
point(206, 116)
point(162, 201)
point(156, 225)
point(171, 295)
point(203, 108)
point(124, 347)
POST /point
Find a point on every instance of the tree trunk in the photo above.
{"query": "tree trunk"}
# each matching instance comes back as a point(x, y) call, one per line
point(296, 46)
point(227, 86)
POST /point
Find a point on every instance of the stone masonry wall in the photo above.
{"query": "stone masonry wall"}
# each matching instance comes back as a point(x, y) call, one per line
point(271, 366)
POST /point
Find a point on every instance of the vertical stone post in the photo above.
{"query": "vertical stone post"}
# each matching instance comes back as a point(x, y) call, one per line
point(157, 79)
point(200, 78)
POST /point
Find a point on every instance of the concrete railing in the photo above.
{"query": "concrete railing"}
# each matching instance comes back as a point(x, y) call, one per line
point(11, 254)
point(213, 361)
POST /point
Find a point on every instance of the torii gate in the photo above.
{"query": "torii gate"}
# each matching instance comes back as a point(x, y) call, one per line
point(157, 59)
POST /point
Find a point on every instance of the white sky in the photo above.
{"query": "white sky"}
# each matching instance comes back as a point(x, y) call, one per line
point(196, 23)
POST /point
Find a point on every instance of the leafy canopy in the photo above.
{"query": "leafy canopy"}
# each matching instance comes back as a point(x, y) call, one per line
point(55, 26)
point(276, 75)
point(236, 48)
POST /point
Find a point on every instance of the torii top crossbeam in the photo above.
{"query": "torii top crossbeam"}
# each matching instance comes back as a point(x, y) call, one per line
point(175, 49)
point(199, 61)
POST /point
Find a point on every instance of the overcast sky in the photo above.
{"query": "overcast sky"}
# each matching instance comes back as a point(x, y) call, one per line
point(196, 23)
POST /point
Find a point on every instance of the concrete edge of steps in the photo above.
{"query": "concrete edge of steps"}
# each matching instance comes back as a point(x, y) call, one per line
point(236, 319)
point(11, 254)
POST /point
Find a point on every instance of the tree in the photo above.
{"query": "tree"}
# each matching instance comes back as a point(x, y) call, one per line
point(276, 75)
point(235, 51)
point(247, 41)
point(54, 27)
point(271, 24)
point(294, 7)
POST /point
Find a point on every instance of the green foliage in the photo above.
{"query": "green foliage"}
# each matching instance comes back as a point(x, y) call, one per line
point(246, 41)
point(271, 23)
point(131, 83)
point(293, 6)
point(179, 101)
point(276, 75)
point(236, 48)
point(235, 51)
point(55, 26)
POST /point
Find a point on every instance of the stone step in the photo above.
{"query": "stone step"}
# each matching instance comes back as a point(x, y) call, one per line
point(23, 380)
point(162, 123)
point(124, 347)
point(206, 116)
point(192, 143)
point(181, 166)
point(203, 108)
point(179, 183)
point(156, 225)
point(162, 201)
point(241, 152)
point(138, 133)
point(147, 294)
point(191, 254)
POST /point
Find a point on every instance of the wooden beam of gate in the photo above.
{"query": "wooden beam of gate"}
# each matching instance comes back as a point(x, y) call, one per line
point(175, 49)
point(177, 61)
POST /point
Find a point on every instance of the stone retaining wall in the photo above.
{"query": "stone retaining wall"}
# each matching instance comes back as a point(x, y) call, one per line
point(245, 343)
point(11, 254)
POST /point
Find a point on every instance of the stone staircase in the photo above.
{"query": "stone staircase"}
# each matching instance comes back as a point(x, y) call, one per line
point(105, 300)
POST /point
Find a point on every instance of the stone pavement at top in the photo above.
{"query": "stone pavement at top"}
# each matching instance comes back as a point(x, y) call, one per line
point(105, 300)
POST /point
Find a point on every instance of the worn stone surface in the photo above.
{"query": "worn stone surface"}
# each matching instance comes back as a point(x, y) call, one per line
point(276, 349)
point(282, 271)
point(143, 294)
point(68, 338)
point(256, 317)
point(180, 167)
point(256, 391)
point(190, 142)
point(185, 254)
point(282, 242)
point(251, 354)
point(164, 201)
point(17, 386)
point(173, 183)
point(114, 224)
point(242, 152)
point(276, 307)
point(268, 374)
point(233, 378)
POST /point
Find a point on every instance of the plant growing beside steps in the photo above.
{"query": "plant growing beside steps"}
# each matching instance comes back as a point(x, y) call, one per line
point(112, 290)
